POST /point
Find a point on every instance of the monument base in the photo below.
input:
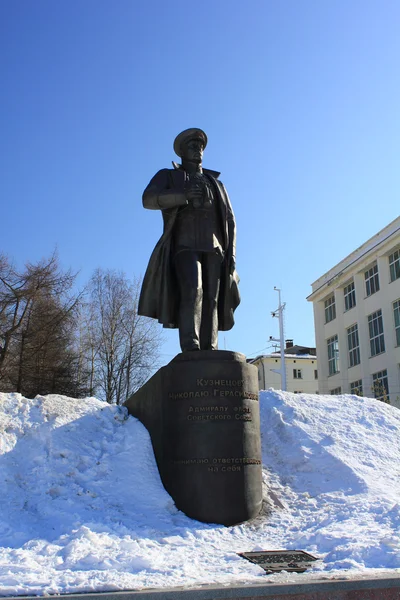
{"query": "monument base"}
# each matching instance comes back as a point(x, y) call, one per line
point(202, 413)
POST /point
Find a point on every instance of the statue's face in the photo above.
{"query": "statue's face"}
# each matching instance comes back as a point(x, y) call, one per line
point(193, 150)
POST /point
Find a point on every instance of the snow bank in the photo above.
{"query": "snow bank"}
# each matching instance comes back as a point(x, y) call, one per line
point(82, 507)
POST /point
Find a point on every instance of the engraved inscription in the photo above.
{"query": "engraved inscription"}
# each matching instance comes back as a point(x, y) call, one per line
point(211, 417)
point(235, 394)
point(237, 461)
point(185, 395)
point(208, 417)
point(192, 461)
point(208, 408)
point(228, 469)
point(219, 465)
point(215, 462)
point(219, 413)
point(215, 393)
point(218, 382)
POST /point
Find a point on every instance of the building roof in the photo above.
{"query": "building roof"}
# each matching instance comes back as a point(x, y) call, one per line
point(300, 350)
point(297, 352)
point(278, 355)
point(371, 244)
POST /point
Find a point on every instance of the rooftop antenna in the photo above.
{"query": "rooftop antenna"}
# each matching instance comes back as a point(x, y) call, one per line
point(278, 313)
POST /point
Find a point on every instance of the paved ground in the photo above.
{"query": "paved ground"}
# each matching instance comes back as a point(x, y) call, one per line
point(355, 589)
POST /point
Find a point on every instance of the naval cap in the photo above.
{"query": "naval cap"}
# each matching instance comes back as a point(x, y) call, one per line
point(184, 136)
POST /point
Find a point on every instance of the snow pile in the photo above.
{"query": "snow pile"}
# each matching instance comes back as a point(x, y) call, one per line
point(82, 507)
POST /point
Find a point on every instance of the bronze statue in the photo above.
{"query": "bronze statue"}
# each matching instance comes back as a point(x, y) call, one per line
point(191, 281)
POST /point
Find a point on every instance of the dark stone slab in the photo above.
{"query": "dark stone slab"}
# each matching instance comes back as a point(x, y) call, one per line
point(274, 561)
point(202, 413)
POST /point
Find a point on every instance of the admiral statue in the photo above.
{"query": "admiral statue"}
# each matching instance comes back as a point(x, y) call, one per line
point(191, 280)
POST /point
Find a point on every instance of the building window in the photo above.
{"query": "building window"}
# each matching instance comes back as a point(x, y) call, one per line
point(349, 296)
point(356, 387)
point(353, 345)
point(396, 313)
point(336, 391)
point(333, 355)
point(376, 338)
point(380, 386)
point(330, 309)
point(315, 374)
point(371, 280)
point(394, 265)
point(297, 374)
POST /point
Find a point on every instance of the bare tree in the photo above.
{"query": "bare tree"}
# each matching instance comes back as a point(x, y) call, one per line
point(53, 342)
point(123, 345)
point(15, 299)
point(37, 311)
point(87, 348)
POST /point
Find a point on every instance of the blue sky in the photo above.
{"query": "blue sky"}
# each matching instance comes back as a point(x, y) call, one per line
point(299, 99)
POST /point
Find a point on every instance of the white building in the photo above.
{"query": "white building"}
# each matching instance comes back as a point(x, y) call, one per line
point(301, 369)
point(357, 320)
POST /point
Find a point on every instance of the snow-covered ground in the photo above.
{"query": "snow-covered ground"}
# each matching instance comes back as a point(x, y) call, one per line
point(82, 507)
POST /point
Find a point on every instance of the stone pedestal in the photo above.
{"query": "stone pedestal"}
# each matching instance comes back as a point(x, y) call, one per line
point(202, 413)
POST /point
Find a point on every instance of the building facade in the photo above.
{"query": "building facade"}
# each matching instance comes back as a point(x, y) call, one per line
point(357, 320)
point(301, 369)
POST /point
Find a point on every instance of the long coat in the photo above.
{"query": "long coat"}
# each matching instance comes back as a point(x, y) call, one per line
point(159, 297)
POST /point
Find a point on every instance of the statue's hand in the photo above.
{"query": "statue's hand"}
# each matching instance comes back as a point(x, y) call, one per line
point(167, 200)
point(182, 200)
point(194, 194)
